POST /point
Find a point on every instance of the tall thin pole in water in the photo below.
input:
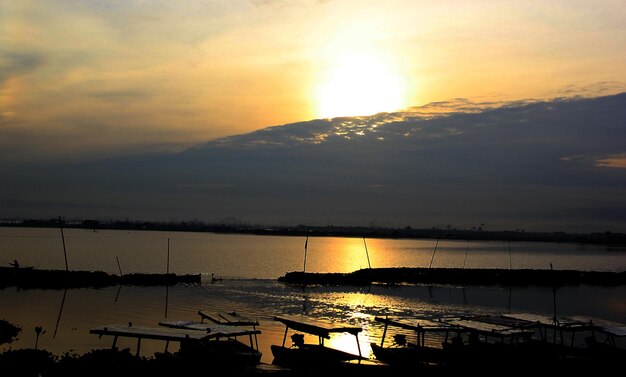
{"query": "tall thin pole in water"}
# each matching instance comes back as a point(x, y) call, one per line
point(63, 239)
point(118, 265)
point(554, 319)
point(56, 327)
point(509, 254)
point(167, 296)
point(167, 271)
point(434, 251)
point(306, 244)
point(119, 289)
point(465, 256)
point(167, 287)
point(367, 254)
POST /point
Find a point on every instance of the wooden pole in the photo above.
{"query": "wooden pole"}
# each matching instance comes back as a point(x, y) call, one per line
point(63, 239)
point(465, 256)
point(306, 244)
point(118, 266)
point(434, 251)
point(167, 289)
point(367, 254)
point(167, 297)
point(56, 327)
point(168, 257)
point(119, 289)
point(509, 254)
point(554, 318)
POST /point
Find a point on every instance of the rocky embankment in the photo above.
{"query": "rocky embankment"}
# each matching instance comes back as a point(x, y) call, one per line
point(522, 277)
point(58, 279)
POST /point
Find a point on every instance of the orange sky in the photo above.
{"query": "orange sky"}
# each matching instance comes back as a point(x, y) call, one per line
point(88, 79)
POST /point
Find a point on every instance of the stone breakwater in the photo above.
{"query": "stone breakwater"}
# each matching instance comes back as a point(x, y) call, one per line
point(59, 279)
point(521, 277)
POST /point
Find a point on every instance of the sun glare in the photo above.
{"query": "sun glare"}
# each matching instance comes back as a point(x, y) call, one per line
point(360, 84)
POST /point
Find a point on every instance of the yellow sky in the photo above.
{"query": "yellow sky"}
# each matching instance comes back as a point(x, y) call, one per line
point(98, 78)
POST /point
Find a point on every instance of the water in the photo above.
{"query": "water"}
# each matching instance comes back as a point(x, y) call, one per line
point(268, 257)
point(250, 266)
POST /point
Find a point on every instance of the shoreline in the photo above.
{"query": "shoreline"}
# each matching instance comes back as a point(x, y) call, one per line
point(613, 240)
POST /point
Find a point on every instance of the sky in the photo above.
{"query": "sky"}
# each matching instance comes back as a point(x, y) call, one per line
point(87, 83)
point(556, 165)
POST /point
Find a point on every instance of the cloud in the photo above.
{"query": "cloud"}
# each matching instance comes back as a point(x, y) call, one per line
point(612, 161)
point(536, 165)
point(121, 95)
point(592, 90)
point(14, 63)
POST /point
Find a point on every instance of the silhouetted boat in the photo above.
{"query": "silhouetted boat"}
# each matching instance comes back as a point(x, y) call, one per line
point(222, 343)
point(603, 341)
point(230, 319)
point(426, 349)
point(199, 342)
point(573, 338)
point(309, 356)
point(470, 342)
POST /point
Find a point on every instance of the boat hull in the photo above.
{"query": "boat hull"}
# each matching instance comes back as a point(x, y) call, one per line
point(222, 352)
point(409, 356)
point(309, 356)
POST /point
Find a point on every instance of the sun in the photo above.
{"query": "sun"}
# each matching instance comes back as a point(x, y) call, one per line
point(359, 84)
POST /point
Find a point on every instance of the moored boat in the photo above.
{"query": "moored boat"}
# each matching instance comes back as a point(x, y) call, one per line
point(198, 342)
point(314, 356)
point(426, 349)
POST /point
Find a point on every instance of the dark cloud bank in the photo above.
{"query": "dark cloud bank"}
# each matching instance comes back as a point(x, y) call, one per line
point(523, 165)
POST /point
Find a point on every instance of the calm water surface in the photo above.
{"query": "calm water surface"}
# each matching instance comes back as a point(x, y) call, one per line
point(250, 266)
point(268, 257)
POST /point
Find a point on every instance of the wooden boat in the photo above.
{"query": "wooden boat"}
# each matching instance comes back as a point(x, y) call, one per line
point(230, 319)
point(455, 342)
point(199, 342)
point(498, 344)
point(404, 353)
point(224, 343)
point(156, 333)
point(560, 344)
point(607, 340)
point(567, 338)
point(312, 356)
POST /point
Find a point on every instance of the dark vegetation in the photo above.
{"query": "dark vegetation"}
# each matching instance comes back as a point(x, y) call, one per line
point(447, 232)
point(105, 363)
point(8, 331)
point(98, 362)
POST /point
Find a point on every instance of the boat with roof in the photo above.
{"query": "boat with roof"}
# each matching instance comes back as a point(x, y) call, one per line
point(302, 355)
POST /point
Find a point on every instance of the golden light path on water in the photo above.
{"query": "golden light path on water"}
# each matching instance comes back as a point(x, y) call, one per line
point(250, 266)
point(67, 316)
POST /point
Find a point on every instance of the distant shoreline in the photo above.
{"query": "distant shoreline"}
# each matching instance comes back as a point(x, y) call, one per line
point(613, 240)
